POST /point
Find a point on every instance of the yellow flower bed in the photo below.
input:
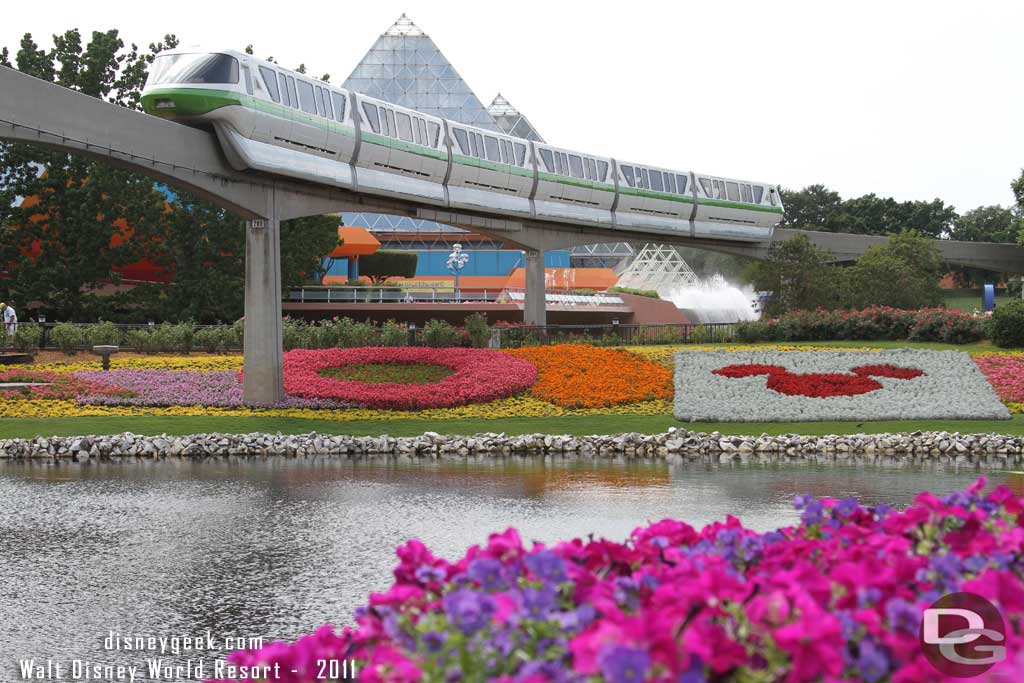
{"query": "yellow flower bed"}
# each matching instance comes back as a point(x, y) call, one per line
point(196, 363)
point(516, 406)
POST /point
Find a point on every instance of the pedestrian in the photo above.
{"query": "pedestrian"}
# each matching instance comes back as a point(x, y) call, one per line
point(10, 320)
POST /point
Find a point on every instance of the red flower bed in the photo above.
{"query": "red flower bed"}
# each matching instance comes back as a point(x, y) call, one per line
point(818, 384)
point(479, 375)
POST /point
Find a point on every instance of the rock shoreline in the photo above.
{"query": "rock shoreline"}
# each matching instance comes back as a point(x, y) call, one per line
point(944, 446)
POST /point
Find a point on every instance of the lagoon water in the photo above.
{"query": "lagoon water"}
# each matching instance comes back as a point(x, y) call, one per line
point(276, 547)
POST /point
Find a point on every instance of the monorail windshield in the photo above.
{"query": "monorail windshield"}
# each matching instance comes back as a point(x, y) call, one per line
point(196, 68)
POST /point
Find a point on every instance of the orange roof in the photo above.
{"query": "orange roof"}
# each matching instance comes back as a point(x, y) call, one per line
point(356, 242)
point(598, 279)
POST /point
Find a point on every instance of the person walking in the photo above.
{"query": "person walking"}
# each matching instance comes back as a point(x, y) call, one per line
point(10, 320)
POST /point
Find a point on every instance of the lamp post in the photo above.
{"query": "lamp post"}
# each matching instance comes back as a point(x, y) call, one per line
point(457, 260)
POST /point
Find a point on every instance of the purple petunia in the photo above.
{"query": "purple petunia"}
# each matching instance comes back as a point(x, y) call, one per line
point(487, 572)
point(621, 664)
point(468, 610)
point(547, 566)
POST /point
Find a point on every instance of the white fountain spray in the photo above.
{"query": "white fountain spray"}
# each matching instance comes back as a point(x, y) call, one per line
point(714, 300)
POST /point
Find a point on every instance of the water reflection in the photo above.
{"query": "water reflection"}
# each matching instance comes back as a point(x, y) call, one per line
point(275, 547)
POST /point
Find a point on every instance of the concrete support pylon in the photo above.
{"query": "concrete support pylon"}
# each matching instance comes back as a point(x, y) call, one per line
point(263, 361)
point(535, 304)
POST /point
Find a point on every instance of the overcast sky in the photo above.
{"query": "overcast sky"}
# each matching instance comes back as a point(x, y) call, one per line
point(914, 100)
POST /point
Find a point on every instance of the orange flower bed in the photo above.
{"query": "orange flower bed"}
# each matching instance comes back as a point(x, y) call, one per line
point(584, 376)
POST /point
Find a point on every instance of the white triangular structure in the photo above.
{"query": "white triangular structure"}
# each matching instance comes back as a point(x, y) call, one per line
point(658, 267)
point(511, 121)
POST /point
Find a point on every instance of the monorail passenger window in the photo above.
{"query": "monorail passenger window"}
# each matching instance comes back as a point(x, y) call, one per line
point(417, 138)
point(559, 165)
point(404, 126)
point(291, 92)
point(657, 184)
point(758, 194)
point(320, 101)
point(670, 183)
point(681, 183)
point(602, 170)
point(645, 181)
point(627, 174)
point(479, 146)
point(435, 133)
point(327, 104)
point(391, 122)
point(734, 191)
point(747, 196)
point(592, 170)
point(339, 106)
point(565, 161)
point(520, 154)
point(306, 99)
point(492, 148)
point(576, 166)
point(549, 159)
point(503, 148)
point(705, 184)
point(472, 145)
point(284, 90)
point(462, 139)
point(372, 116)
point(247, 77)
point(270, 78)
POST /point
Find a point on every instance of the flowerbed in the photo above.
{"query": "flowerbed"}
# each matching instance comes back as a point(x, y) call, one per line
point(379, 373)
point(55, 387)
point(218, 389)
point(478, 375)
point(773, 386)
point(876, 322)
point(838, 597)
point(584, 376)
point(1005, 372)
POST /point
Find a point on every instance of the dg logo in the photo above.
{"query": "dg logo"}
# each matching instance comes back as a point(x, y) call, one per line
point(962, 635)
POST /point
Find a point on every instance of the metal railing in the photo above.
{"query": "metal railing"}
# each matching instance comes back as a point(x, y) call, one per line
point(443, 295)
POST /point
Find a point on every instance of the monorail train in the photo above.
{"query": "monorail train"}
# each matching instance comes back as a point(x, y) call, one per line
point(282, 122)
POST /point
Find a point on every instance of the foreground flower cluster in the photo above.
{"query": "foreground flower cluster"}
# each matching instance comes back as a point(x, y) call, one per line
point(838, 597)
point(774, 386)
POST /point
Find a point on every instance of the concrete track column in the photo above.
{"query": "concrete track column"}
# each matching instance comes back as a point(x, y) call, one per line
point(263, 362)
point(535, 309)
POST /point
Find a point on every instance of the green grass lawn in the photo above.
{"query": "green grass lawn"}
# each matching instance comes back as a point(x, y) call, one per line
point(573, 424)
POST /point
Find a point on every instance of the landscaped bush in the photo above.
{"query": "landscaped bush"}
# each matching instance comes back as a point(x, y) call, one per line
point(105, 333)
point(27, 337)
point(440, 334)
point(637, 292)
point(477, 330)
point(838, 596)
point(67, 337)
point(875, 323)
point(1006, 328)
point(394, 334)
point(215, 339)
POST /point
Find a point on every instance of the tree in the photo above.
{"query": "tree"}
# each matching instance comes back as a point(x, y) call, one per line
point(305, 243)
point(904, 273)
point(384, 264)
point(985, 224)
point(798, 275)
point(812, 208)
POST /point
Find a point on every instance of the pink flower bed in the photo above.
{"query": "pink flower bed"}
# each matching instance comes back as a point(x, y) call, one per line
point(1005, 373)
point(479, 375)
point(838, 598)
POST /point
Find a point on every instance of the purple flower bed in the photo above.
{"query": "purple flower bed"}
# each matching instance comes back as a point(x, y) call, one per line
point(218, 389)
point(840, 597)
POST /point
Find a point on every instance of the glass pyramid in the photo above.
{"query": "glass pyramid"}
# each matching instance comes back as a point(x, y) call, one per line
point(510, 121)
point(404, 67)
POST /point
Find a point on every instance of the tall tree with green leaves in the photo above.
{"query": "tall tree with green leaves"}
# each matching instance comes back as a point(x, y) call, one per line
point(903, 273)
point(797, 273)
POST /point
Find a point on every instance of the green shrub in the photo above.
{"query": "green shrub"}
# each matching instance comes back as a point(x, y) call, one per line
point(104, 333)
point(139, 339)
point(1006, 327)
point(177, 338)
point(638, 292)
point(394, 334)
point(297, 334)
point(67, 337)
point(27, 337)
point(440, 334)
point(477, 330)
point(213, 339)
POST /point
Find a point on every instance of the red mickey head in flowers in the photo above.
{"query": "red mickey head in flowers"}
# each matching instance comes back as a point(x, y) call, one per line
point(820, 384)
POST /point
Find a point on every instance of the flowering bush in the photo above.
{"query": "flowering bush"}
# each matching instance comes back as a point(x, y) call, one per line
point(838, 597)
point(877, 322)
point(479, 375)
point(793, 386)
point(179, 388)
point(580, 375)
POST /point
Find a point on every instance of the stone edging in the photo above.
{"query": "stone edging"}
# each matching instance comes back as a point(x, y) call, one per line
point(924, 445)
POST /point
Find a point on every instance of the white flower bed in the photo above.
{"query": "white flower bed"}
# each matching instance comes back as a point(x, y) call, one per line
point(952, 388)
